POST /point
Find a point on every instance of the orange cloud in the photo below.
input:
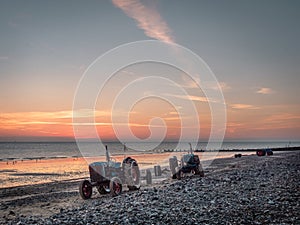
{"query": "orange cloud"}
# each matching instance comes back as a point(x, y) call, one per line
point(191, 97)
point(36, 124)
point(283, 117)
point(59, 124)
point(274, 120)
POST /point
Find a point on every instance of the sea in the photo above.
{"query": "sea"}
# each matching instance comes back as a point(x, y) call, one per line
point(48, 150)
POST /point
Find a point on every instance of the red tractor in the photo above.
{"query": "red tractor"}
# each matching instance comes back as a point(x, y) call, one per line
point(263, 152)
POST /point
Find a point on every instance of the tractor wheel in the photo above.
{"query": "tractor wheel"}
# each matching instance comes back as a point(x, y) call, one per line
point(131, 173)
point(103, 189)
point(199, 171)
point(179, 174)
point(174, 176)
point(269, 152)
point(261, 152)
point(134, 177)
point(133, 188)
point(85, 189)
point(115, 186)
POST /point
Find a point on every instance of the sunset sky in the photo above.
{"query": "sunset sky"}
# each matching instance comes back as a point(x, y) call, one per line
point(251, 46)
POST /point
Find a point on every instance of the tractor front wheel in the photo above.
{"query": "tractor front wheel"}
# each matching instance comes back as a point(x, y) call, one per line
point(85, 189)
point(103, 189)
point(115, 186)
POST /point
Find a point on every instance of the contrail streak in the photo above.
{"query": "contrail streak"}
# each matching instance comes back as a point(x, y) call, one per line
point(147, 19)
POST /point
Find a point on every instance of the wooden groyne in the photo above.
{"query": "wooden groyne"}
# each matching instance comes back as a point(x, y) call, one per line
point(237, 150)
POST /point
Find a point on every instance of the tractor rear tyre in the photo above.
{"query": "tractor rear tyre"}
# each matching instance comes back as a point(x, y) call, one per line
point(199, 171)
point(85, 189)
point(135, 175)
point(131, 173)
point(179, 174)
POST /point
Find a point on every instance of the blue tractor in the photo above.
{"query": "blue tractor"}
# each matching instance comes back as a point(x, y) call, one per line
point(189, 164)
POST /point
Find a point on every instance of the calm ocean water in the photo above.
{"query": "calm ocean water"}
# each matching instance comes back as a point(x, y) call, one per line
point(29, 150)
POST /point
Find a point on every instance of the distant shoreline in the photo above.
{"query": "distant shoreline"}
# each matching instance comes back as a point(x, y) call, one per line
point(276, 149)
point(128, 141)
point(255, 149)
point(239, 150)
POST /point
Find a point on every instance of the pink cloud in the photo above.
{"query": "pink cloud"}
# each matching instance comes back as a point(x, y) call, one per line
point(243, 106)
point(148, 19)
point(265, 91)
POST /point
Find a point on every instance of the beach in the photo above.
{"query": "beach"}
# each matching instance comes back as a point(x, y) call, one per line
point(246, 190)
point(36, 171)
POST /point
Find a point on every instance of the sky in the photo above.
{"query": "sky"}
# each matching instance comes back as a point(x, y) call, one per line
point(252, 47)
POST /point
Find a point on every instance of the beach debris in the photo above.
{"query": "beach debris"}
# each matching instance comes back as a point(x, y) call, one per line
point(148, 176)
point(173, 163)
point(11, 213)
point(157, 171)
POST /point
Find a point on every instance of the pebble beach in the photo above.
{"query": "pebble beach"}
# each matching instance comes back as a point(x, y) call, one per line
point(246, 190)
